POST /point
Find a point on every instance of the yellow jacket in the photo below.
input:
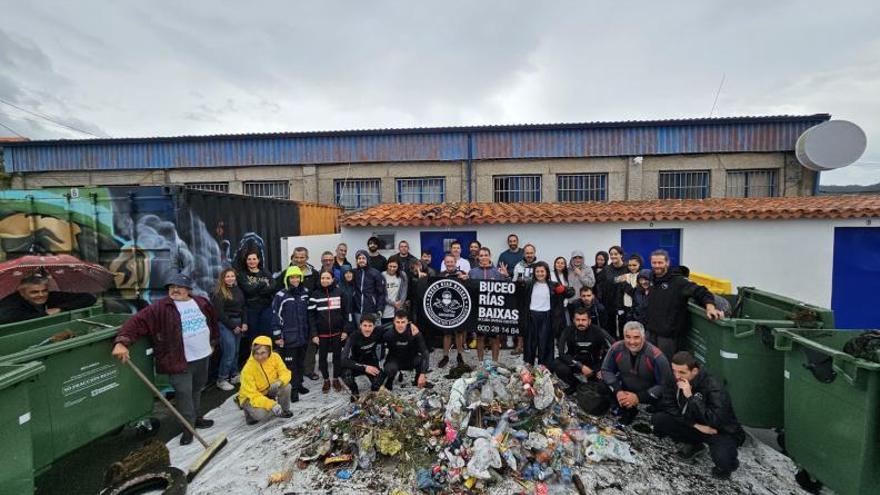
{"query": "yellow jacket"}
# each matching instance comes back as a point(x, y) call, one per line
point(256, 378)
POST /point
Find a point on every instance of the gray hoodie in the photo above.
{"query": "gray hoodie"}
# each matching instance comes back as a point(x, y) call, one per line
point(586, 278)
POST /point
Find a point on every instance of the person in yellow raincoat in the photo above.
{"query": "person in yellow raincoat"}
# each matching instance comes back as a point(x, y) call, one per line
point(265, 384)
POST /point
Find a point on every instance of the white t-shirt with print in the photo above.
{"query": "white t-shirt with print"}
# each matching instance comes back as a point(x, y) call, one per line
point(195, 330)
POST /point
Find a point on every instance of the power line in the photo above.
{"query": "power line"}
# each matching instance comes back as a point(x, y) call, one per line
point(49, 119)
point(10, 129)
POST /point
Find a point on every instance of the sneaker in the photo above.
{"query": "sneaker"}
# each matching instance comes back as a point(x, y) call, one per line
point(313, 376)
point(443, 362)
point(326, 388)
point(688, 451)
point(202, 423)
point(225, 385)
point(302, 390)
point(186, 438)
point(235, 380)
point(337, 385)
point(286, 414)
point(459, 359)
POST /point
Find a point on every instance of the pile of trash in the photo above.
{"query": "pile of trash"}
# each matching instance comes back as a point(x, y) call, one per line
point(496, 424)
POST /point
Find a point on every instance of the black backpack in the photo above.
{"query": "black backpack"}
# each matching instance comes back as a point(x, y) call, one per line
point(592, 398)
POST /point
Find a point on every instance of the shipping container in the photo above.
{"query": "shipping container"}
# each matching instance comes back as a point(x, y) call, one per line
point(145, 234)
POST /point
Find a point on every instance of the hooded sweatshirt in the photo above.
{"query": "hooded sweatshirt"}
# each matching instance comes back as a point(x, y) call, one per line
point(256, 377)
point(369, 288)
point(586, 278)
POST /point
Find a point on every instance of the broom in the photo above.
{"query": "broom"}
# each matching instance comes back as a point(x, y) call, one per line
point(210, 450)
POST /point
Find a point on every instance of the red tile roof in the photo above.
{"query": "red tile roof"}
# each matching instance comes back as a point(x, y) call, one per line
point(453, 214)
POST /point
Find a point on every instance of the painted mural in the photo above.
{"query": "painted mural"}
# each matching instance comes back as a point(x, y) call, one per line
point(143, 235)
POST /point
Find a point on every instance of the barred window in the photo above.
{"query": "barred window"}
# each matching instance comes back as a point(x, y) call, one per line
point(692, 184)
point(353, 194)
point(421, 190)
point(279, 189)
point(578, 188)
point(751, 183)
point(517, 188)
point(221, 187)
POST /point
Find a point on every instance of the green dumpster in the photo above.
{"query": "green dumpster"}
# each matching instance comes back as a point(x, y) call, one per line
point(739, 350)
point(61, 317)
point(832, 410)
point(17, 468)
point(84, 393)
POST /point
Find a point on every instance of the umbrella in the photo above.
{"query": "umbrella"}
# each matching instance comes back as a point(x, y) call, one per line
point(66, 274)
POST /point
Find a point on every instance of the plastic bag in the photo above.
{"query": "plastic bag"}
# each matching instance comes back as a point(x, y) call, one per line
point(485, 456)
point(536, 441)
point(608, 448)
point(425, 481)
point(366, 451)
point(457, 395)
point(544, 393)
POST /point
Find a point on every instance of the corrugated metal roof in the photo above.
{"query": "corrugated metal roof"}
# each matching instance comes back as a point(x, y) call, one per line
point(732, 134)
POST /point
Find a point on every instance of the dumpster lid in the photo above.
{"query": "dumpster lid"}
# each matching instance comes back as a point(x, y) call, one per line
point(801, 336)
point(11, 374)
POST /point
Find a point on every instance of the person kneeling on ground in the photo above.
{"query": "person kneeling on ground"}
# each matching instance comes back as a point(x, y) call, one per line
point(636, 371)
point(696, 409)
point(581, 349)
point(265, 384)
point(406, 351)
point(359, 356)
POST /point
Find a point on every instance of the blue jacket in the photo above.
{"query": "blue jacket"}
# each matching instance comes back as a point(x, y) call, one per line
point(369, 291)
point(290, 316)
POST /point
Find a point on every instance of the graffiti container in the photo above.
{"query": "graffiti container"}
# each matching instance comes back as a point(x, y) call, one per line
point(146, 234)
point(16, 470)
point(84, 393)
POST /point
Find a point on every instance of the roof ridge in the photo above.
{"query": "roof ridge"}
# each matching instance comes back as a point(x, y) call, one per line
point(477, 213)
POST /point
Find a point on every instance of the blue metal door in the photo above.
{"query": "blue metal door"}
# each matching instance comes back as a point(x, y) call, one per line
point(643, 241)
point(854, 295)
point(438, 243)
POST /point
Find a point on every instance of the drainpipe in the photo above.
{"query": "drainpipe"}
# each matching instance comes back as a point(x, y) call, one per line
point(470, 167)
point(816, 184)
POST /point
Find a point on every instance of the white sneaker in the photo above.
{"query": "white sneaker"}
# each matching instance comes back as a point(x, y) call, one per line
point(235, 380)
point(225, 385)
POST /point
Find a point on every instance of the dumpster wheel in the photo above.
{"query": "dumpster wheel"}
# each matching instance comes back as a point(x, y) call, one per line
point(780, 440)
point(807, 482)
point(171, 480)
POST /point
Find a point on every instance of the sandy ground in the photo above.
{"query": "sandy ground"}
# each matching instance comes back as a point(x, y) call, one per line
point(255, 452)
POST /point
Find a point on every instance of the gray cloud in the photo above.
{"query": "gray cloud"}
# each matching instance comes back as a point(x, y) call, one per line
point(224, 67)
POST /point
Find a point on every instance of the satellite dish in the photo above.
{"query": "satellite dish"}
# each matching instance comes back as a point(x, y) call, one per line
point(831, 145)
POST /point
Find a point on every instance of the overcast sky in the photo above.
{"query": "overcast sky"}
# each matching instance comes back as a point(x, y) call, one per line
point(170, 68)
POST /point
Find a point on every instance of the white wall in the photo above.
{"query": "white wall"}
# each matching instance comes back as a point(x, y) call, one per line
point(789, 257)
point(316, 244)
